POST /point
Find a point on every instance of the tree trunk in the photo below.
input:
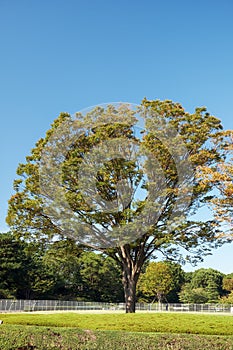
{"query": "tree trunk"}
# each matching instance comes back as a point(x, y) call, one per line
point(130, 276)
point(131, 262)
point(130, 294)
point(159, 297)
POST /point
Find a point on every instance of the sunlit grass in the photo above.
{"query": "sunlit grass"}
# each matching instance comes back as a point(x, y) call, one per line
point(144, 322)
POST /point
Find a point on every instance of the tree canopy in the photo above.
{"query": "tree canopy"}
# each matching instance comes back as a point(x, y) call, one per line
point(124, 189)
point(222, 178)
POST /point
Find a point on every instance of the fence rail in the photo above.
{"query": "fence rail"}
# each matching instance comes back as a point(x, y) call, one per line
point(12, 305)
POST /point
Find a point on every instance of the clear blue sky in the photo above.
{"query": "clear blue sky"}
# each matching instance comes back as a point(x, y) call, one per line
point(63, 55)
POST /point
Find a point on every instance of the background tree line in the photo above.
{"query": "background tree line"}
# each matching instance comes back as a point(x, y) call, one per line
point(59, 270)
point(63, 270)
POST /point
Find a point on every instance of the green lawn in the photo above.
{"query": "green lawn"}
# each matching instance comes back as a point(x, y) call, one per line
point(141, 322)
point(72, 331)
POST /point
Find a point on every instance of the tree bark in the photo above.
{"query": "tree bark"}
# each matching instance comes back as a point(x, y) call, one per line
point(130, 294)
point(130, 273)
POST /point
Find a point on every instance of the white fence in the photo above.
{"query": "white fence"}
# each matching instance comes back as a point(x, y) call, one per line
point(11, 305)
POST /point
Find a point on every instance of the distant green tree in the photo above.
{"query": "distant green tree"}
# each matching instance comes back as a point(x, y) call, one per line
point(13, 266)
point(61, 260)
point(213, 292)
point(189, 295)
point(157, 281)
point(22, 272)
point(205, 285)
point(227, 299)
point(228, 282)
point(39, 281)
point(188, 277)
point(82, 275)
point(210, 280)
point(178, 280)
point(59, 270)
point(227, 286)
point(101, 278)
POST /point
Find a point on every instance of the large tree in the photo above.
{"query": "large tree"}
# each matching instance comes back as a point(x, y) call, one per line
point(125, 188)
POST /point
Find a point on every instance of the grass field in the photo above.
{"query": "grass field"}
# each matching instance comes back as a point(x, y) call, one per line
point(71, 331)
